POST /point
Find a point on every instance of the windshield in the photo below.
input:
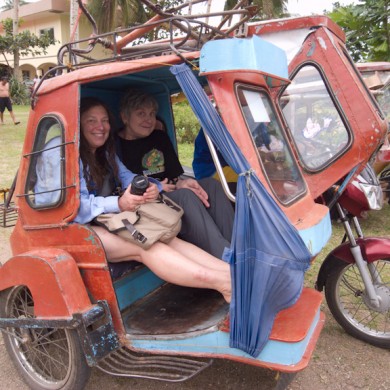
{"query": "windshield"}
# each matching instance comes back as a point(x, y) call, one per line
point(378, 82)
point(316, 125)
point(271, 144)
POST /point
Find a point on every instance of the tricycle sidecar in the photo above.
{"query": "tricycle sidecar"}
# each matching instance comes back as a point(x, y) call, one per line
point(58, 287)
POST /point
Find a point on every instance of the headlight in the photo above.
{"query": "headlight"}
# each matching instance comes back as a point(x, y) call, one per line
point(373, 193)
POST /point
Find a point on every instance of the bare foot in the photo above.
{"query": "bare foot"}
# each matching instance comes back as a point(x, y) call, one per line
point(227, 293)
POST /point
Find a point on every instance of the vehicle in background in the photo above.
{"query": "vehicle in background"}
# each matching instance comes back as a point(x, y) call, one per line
point(376, 76)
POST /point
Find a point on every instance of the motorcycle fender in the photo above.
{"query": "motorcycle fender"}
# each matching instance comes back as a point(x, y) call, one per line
point(53, 278)
point(373, 248)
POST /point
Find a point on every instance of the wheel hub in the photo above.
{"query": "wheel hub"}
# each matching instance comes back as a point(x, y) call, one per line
point(383, 294)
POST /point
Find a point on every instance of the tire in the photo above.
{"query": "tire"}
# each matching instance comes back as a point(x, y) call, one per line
point(46, 359)
point(346, 297)
point(284, 380)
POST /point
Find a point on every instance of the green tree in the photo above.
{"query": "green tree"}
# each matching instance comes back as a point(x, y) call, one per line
point(111, 14)
point(367, 29)
point(24, 43)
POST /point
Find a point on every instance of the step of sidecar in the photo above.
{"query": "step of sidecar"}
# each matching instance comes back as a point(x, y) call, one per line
point(289, 348)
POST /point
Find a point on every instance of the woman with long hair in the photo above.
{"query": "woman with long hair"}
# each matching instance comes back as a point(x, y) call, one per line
point(177, 262)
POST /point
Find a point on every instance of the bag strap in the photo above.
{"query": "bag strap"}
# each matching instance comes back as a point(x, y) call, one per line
point(169, 203)
point(133, 231)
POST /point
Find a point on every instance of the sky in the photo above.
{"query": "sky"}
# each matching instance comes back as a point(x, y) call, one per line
point(294, 7)
point(308, 7)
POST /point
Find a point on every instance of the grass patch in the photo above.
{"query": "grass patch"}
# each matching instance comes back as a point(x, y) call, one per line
point(11, 144)
point(186, 154)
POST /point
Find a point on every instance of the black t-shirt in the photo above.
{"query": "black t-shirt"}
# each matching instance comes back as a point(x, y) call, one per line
point(152, 156)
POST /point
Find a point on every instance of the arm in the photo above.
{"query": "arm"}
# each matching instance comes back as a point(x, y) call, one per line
point(173, 170)
point(91, 206)
point(195, 187)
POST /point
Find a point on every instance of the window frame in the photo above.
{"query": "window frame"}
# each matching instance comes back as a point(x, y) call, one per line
point(261, 90)
point(40, 141)
point(338, 108)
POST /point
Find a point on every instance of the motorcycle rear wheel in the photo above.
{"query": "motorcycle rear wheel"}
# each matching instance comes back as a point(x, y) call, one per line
point(46, 358)
point(346, 298)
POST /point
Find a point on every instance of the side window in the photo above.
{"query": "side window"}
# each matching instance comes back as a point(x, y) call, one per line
point(49, 32)
point(46, 173)
point(272, 146)
point(317, 128)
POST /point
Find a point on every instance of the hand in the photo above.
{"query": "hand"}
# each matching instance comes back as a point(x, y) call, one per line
point(194, 186)
point(167, 187)
point(129, 201)
point(151, 193)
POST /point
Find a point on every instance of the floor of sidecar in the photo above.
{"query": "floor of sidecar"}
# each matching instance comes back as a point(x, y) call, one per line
point(163, 310)
point(171, 311)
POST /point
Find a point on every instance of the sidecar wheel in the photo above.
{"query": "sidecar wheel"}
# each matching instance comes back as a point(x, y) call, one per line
point(46, 359)
point(284, 379)
point(346, 297)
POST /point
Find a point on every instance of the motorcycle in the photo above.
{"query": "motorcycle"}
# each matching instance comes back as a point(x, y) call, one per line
point(356, 274)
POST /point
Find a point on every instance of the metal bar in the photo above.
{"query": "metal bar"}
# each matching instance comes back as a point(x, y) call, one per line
point(46, 192)
point(95, 313)
point(219, 169)
point(220, 13)
point(148, 26)
point(359, 260)
point(186, 4)
point(38, 323)
point(227, 17)
point(44, 150)
point(124, 363)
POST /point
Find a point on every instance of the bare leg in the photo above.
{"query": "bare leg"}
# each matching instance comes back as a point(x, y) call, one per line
point(196, 254)
point(13, 117)
point(169, 264)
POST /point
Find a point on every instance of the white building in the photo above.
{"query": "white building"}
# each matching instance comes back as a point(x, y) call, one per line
point(51, 16)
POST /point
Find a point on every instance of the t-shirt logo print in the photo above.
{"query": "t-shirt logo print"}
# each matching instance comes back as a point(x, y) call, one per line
point(153, 162)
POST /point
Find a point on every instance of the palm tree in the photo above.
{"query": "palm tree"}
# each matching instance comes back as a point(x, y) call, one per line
point(9, 4)
point(268, 9)
point(15, 21)
point(111, 14)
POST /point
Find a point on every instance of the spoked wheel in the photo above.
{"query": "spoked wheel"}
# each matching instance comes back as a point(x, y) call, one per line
point(348, 301)
point(47, 359)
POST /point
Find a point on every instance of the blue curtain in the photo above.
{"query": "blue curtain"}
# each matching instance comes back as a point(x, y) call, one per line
point(267, 256)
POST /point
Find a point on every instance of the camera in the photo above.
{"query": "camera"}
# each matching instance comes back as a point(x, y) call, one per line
point(139, 185)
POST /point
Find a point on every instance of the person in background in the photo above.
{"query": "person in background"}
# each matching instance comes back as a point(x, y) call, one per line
point(208, 214)
point(5, 101)
point(203, 163)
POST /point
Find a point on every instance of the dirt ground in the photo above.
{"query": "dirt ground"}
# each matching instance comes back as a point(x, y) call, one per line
point(338, 362)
